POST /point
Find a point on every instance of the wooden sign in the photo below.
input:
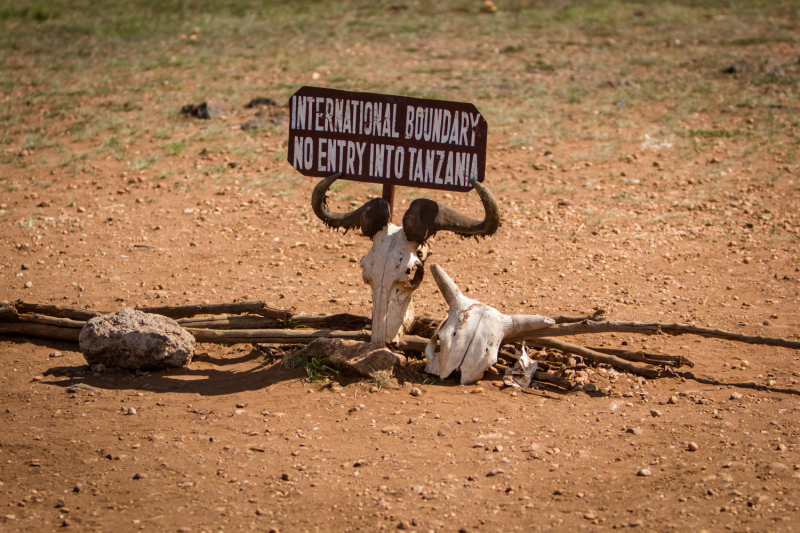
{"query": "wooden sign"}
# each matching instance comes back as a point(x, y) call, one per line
point(391, 140)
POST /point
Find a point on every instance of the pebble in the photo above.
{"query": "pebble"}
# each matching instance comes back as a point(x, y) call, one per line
point(589, 515)
point(672, 400)
point(777, 466)
point(55, 353)
point(644, 472)
point(359, 462)
point(655, 413)
point(241, 405)
point(28, 284)
point(261, 512)
point(736, 396)
point(477, 390)
point(440, 433)
point(692, 447)
point(274, 530)
point(131, 411)
point(374, 389)
point(416, 392)
point(495, 472)
point(139, 475)
point(634, 431)
point(285, 477)
point(390, 429)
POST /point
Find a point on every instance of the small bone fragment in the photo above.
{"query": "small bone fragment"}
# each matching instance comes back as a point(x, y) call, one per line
point(522, 372)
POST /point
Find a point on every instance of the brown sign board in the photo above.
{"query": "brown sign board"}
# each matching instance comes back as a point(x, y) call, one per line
point(391, 140)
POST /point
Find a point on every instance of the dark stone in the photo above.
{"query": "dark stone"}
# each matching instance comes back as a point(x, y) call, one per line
point(260, 101)
point(205, 110)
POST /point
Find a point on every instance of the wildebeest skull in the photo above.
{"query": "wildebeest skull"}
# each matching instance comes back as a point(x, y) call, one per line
point(394, 266)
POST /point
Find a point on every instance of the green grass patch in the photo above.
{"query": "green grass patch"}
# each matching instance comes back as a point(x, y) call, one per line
point(714, 134)
point(175, 147)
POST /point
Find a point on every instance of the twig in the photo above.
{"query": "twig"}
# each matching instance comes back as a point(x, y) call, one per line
point(675, 361)
point(597, 315)
point(629, 366)
point(60, 311)
point(343, 321)
point(35, 318)
point(649, 328)
point(40, 330)
point(182, 311)
point(294, 336)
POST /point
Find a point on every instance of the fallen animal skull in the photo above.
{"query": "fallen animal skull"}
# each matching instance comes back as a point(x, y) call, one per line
point(472, 333)
point(394, 266)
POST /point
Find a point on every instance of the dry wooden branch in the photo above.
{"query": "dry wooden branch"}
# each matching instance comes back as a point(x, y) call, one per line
point(675, 361)
point(8, 311)
point(60, 311)
point(266, 336)
point(294, 336)
point(344, 321)
point(35, 318)
point(597, 315)
point(43, 331)
point(255, 308)
point(629, 366)
point(649, 328)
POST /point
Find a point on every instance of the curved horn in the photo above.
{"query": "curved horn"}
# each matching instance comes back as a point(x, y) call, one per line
point(370, 217)
point(425, 217)
point(447, 286)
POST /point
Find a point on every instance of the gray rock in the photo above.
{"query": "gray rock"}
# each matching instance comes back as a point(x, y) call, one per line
point(260, 101)
point(205, 110)
point(136, 340)
point(255, 124)
point(362, 358)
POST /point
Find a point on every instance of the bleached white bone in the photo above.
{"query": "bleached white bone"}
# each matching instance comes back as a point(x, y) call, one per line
point(393, 269)
point(470, 336)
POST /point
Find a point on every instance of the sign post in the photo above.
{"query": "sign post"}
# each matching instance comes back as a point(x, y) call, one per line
point(390, 140)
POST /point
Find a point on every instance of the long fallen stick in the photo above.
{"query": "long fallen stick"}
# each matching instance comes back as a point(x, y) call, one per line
point(649, 328)
point(629, 366)
point(675, 361)
point(265, 336)
point(294, 336)
point(255, 308)
point(344, 321)
point(43, 331)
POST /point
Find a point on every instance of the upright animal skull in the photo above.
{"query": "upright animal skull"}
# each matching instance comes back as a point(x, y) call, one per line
point(394, 266)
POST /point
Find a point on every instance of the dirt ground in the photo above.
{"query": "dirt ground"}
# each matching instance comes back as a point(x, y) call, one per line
point(633, 173)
